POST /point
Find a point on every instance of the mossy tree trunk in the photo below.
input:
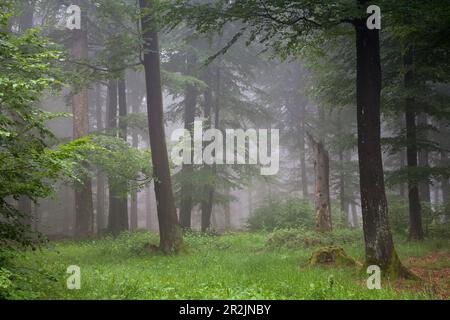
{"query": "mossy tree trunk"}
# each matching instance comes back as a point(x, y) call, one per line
point(379, 245)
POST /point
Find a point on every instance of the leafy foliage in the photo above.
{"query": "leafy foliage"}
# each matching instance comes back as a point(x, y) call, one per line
point(292, 213)
point(29, 67)
point(123, 164)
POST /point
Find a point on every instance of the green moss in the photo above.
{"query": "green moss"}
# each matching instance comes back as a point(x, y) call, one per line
point(332, 255)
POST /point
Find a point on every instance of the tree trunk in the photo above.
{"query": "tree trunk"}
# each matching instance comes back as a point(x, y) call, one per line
point(169, 230)
point(415, 216)
point(118, 210)
point(342, 198)
point(304, 175)
point(322, 185)
point(377, 234)
point(424, 187)
point(190, 101)
point(227, 212)
point(134, 195)
point(83, 191)
point(100, 176)
point(123, 193)
point(207, 204)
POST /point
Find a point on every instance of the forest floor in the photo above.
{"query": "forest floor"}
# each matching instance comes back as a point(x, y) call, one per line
point(230, 266)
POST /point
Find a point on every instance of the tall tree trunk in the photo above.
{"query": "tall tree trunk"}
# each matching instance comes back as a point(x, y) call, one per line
point(415, 216)
point(134, 195)
point(100, 176)
point(190, 101)
point(424, 187)
point(377, 234)
point(322, 185)
point(83, 191)
point(304, 175)
point(342, 198)
point(207, 204)
point(118, 210)
point(135, 101)
point(169, 229)
point(402, 161)
point(123, 193)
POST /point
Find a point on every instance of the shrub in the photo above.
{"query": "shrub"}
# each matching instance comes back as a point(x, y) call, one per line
point(293, 213)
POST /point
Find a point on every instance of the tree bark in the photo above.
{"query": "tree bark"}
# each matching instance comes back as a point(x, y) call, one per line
point(415, 215)
point(322, 185)
point(169, 230)
point(377, 234)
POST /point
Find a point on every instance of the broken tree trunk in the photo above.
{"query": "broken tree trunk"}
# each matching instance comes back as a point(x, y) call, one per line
point(322, 185)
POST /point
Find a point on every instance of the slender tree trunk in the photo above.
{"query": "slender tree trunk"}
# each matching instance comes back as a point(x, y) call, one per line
point(169, 229)
point(415, 216)
point(134, 195)
point(377, 234)
point(304, 175)
point(83, 191)
point(424, 187)
point(227, 211)
point(322, 186)
point(100, 176)
point(122, 200)
point(402, 160)
point(190, 100)
point(207, 204)
point(136, 101)
point(342, 198)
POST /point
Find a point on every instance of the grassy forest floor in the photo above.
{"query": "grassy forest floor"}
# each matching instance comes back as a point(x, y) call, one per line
point(231, 266)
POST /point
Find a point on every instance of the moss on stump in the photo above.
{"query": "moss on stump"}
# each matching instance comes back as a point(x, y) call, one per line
point(332, 255)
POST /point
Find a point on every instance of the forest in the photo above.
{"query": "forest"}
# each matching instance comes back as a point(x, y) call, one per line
point(224, 150)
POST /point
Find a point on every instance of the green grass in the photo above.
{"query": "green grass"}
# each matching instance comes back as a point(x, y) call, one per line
point(232, 266)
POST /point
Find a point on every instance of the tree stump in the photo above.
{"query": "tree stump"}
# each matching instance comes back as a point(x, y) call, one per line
point(332, 255)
